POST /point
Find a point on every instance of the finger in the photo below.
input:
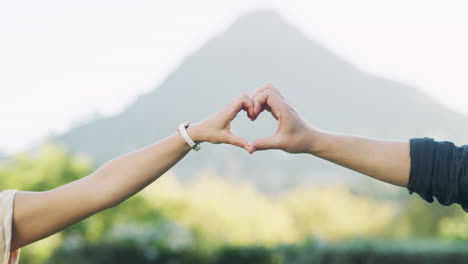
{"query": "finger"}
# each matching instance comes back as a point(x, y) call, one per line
point(239, 104)
point(263, 144)
point(249, 110)
point(266, 101)
point(247, 106)
point(268, 87)
point(237, 141)
point(262, 89)
point(259, 102)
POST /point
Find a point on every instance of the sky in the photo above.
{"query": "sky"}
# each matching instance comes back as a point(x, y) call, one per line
point(64, 62)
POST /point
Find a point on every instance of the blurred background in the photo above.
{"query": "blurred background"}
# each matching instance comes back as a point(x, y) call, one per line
point(83, 82)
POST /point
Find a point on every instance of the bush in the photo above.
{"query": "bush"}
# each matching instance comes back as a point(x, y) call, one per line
point(351, 252)
point(214, 220)
point(122, 253)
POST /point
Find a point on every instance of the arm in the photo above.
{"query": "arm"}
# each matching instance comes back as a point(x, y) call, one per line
point(41, 214)
point(387, 161)
point(427, 167)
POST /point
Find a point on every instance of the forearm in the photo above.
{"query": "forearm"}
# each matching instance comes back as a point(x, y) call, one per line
point(37, 215)
point(388, 161)
point(429, 168)
point(40, 214)
point(126, 175)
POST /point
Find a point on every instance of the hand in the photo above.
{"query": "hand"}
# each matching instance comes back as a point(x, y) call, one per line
point(217, 128)
point(294, 134)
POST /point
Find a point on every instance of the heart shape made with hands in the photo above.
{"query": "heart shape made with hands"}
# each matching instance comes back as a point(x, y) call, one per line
point(269, 99)
point(252, 126)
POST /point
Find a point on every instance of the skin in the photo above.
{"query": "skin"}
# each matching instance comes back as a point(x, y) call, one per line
point(387, 161)
point(40, 214)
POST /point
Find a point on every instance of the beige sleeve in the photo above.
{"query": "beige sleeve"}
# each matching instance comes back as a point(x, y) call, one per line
point(6, 217)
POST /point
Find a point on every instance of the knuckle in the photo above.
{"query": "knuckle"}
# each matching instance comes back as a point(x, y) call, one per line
point(269, 86)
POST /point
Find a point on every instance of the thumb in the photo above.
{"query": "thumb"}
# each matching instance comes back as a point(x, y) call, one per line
point(263, 144)
point(237, 141)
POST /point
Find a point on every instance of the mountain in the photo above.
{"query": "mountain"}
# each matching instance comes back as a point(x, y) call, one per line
point(258, 48)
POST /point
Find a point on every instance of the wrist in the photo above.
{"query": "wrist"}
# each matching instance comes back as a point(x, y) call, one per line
point(195, 132)
point(317, 141)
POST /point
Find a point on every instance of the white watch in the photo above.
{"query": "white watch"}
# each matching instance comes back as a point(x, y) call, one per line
point(184, 134)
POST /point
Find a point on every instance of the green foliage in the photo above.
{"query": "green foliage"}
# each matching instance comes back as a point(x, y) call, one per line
point(135, 221)
point(348, 252)
point(118, 252)
point(214, 220)
point(51, 167)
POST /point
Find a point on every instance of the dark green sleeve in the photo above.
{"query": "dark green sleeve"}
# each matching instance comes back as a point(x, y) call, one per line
point(439, 169)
